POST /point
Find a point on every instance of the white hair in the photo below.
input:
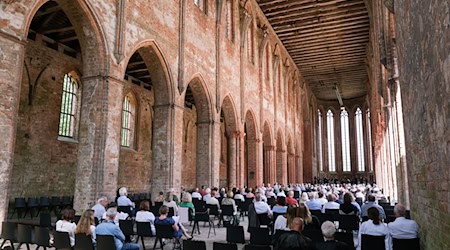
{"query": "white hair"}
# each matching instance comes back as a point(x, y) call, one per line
point(328, 229)
point(111, 213)
point(123, 191)
point(102, 198)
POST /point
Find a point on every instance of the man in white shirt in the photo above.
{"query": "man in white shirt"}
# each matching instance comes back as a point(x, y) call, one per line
point(240, 196)
point(322, 200)
point(196, 194)
point(213, 200)
point(331, 204)
point(261, 207)
point(100, 207)
point(403, 228)
point(123, 200)
point(207, 196)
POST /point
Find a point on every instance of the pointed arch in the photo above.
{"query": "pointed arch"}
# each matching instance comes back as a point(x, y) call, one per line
point(230, 114)
point(202, 97)
point(252, 173)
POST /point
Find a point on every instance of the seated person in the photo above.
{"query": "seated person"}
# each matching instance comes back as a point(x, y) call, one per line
point(66, 224)
point(403, 228)
point(169, 202)
point(290, 198)
point(178, 229)
point(348, 208)
point(281, 223)
point(371, 203)
point(196, 194)
point(294, 239)
point(328, 230)
point(331, 204)
point(213, 200)
point(86, 225)
point(313, 203)
point(108, 227)
point(375, 227)
point(123, 200)
point(280, 207)
point(100, 207)
point(240, 196)
point(144, 215)
point(186, 201)
point(310, 222)
point(160, 197)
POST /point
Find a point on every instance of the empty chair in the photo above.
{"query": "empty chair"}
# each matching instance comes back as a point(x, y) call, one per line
point(235, 234)
point(194, 245)
point(164, 232)
point(253, 247)
point(62, 240)
point(66, 202)
point(42, 237)
point(55, 204)
point(348, 222)
point(224, 246)
point(8, 233)
point(260, 236)
point(127, 227)
point(203, 216)
point(105, 242)
point(19, 206)
point(143, 229)
point(83, 242)
point(44, 203)
point(213, 210)
point(371, 242)
point(406, 244)
point(45, 220)
point(24, 235)
point(332, 214)
point(32, 204)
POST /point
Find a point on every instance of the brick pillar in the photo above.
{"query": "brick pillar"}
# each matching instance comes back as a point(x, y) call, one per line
point(233, 140)
point(281, 169)
point(270, 164)
point(259, 164)
point(240, 158)
point(208, 153)
point(11, 61)
point(99, 140)
point(299, 168)
point(292, 175)
point(167, 148)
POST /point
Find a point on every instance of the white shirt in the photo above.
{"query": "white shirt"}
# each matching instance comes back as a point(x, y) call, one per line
point(119, 216)
point(262, 208)
point(377, 230)
point(99, 210)
point(403, 228)
point(146, 216)
point(330, 205)
point(172, 204)
point(69, 227)
point(322, 201)
point(206, 197)
point(281, 223)
point(196, 195)
point(239, 197)
point(124, 201)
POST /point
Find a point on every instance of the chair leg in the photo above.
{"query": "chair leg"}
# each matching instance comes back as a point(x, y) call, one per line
point(28, 246)
point(143, 244)
point(12, 244)
point(156, 242)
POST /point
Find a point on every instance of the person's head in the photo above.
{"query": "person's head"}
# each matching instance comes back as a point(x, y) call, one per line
point(399, 210)
point(320, 194)
point(203, 187)
point(348, 198)
point(296, 224)
point(144, 206)
point(161, 193)
point(257, 197)
point(291, 213)
point(68, 214)
point(208, 191)
point(371, 198)
point(85, 223)
point(304, 213)
point(103, 200)
point(305, 196)
point(168, 197)
point(291, 194)
point(281, 201)
point(163, 210)
point(374, 215)
point(123, 191)
point(111, 213)
point(331, 197)
point(328, 230)
point(242, 191)
point(187, 197)
point(213, 192)
point(230, 194)
point(196, 190)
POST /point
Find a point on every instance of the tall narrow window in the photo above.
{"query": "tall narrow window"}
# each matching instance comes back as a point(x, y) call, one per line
point(319, 140)
point(250, 43)
point(128, 114)
point(345, 140)
point(229, 19)
point(360, 139)
point(369, 138)
point(69, 107)
point(330, 140)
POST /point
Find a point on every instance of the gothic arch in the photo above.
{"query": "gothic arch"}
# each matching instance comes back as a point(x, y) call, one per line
point(252, 173)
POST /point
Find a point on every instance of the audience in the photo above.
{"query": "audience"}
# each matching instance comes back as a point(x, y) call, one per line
point(371, 203)
point(261, 207)
point(100, 207)
point(144, 215)
point(322, 200)
point(196, 194)
point(281, 223)
point(331, 204)
point(348, 208)
point(310, 222)
point(66, 224)
point(314, 203)
point(240, 196)
point(169, 202)
point(207, 194)
point(290, 199)
point(375, 227)
point(403, 228)
point(186, 201)
point(280, 207)
point(108, 227)
point(328, 230)
point(293, 239)
point(160, 197)
point(213, 200)
point(163, 219)
point(86, 225)
point(123, 200)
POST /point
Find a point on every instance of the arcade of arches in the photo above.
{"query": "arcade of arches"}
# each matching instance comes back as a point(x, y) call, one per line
point(93, 97)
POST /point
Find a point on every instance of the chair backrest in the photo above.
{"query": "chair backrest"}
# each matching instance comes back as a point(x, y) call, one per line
point(275, 216)
point(19, 202)
point(253, 247)
point(158, 204)
point(260, 236)
point(124, 209)
point(42, 236)
point(346, 237)
point(296, 194)
point(171, 212)
point(44, 201)
point(76, 219)
point(194, 245)
point(33, 202)
point(83, 242)
point(235, 234)
point(227, 210)
point(348, 222)
point(264, 219)
point(45, 219)
point(183, 213)
point(66, 201)
point(126, 226)
point(314, 234)
point(24, 233)
point(62, 240)
point(55, 201)
point(202, 216)
point(315, 212)
point(271, 201)
point(224, 246)
point(213, 209)
point(406, 244)
point(164, 231)
point(8, 230)
point(144, 229)
point(105, 242)
point(371, 242)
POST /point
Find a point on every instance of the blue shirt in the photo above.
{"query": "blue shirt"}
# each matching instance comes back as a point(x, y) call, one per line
point(279, 210)
point(109, 228)
point(370, 204)
point(314, 204)
point(124, 201)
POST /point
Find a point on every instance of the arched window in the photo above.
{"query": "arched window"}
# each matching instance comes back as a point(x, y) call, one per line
point(360, 139)
point(128, 121)
point(369, 139)
point(250, 55)
point(229, 19)
point(319, 139)
point(345, 140)
point(330, 140)
point(69, 107)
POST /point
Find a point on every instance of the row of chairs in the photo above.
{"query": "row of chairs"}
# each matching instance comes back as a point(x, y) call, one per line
point(201, 245)
point(32, 204)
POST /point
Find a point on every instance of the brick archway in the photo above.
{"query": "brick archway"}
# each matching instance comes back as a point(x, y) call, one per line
point(269, 156)
point(251, 173)
point(291, 169)
point(230, 137)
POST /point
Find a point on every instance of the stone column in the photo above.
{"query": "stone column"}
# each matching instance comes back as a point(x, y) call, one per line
point(99, 140)
point(11, 61)
point(282, 165)
point(292, 175)
point(259, 162)
point(299, 168)
point(233, 140)
point(269, 164)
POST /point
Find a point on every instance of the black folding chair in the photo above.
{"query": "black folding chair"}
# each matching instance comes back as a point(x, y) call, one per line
point(127, 227)
point(194, 245)
point(406, 244)
point(314, 234)
point(171, 212)
point(20, 206)
point(105, 242)
point(66, 202)
point(346, 237)
point(213, 210)
point(203, 216)
point(42, 237)
point(260, 236)
point(271, 201)
point(24, 235)
point(124, 209)
point(332, 214)
point(143, 230)
point(253, 247)
point(235, 234)
point(348, 222)
point(32, 204)
point(62, 240)
point(55, 204)
point(224, 246)
point(44, 203)
point(8, 233)
point(76, 219)
point(227, 214)
point(83, 242)
point(45, 220)
point(371, 242)
point(165, 232)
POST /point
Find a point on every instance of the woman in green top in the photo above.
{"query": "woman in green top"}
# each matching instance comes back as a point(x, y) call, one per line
point(186, 201)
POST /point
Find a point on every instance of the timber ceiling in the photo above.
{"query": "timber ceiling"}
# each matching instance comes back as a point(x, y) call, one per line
point(327, 40)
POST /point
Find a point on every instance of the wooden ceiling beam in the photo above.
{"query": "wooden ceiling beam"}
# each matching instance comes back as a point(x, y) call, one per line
point(325, 29)
point(48, 11)
point(58, 30)
point(324, 47)
point(298, 7)
point(328, 39)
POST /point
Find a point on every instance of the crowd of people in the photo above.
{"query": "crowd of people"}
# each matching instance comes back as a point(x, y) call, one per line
point(291, 213)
